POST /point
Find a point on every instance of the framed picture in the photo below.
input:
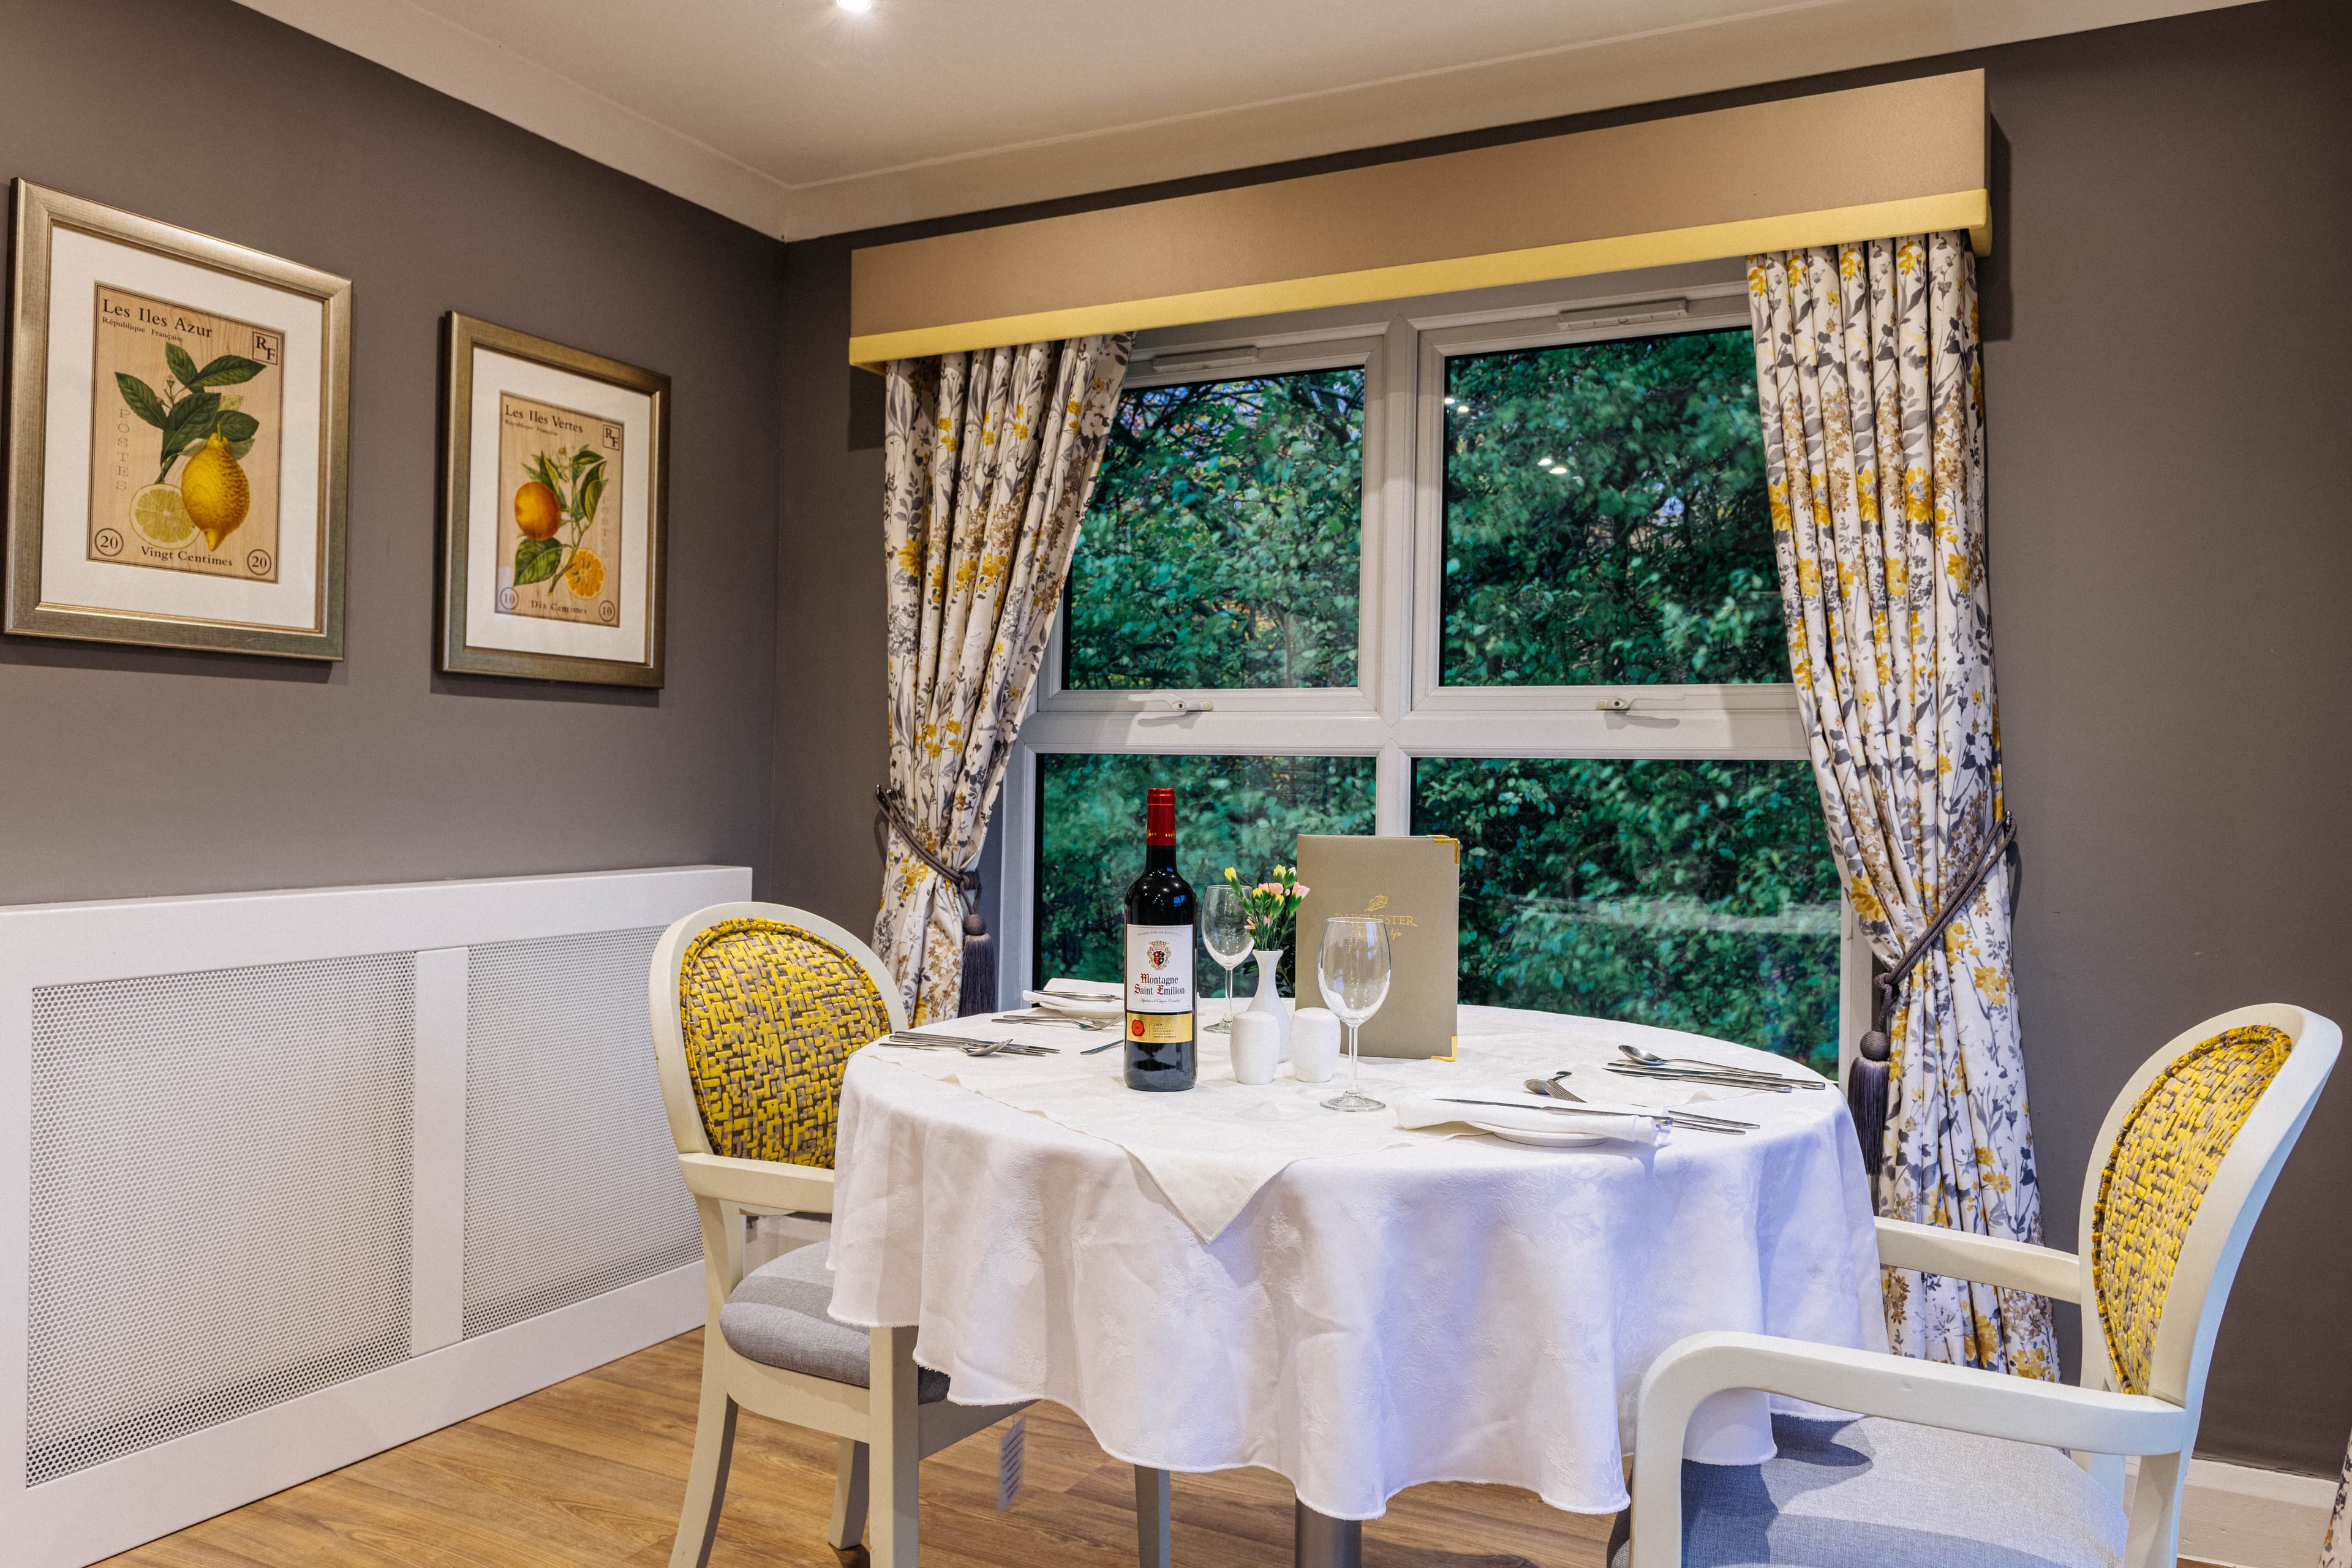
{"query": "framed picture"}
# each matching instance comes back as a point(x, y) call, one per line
point(177, 420)
point(555, 506)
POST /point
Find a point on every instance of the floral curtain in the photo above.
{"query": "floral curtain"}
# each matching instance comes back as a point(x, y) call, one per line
point(988, 458)
point(2336, 1551)
point(1871, 394)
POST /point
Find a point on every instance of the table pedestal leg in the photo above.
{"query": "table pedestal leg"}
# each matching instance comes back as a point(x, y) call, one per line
point(1322, 1541)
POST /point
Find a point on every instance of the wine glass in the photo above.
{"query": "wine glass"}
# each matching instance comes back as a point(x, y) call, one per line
point(1226, 932)
point(1353, 968)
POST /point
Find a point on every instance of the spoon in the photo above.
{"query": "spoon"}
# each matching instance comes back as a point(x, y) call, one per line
point(1651, 1059)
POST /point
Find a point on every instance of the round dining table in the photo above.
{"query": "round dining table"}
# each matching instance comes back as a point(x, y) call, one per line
point(1233, 1275)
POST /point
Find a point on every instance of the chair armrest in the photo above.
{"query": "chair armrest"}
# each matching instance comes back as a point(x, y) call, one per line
point(759, 1183)
point(1931, 1393)
point(1987, 1261)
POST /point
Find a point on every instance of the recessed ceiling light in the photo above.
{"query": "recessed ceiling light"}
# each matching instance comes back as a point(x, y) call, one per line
point(1558, 470)
point(1543, 462)
point(854, 8)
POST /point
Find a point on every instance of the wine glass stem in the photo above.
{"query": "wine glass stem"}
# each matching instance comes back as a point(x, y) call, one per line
point(1355, 1063)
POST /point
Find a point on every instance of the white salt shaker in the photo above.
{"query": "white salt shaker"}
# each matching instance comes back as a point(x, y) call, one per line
point(1314, 1044)
point(1256, 1045)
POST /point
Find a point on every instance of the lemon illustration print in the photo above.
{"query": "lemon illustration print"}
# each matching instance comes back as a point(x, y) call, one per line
point(214, 491)
point(159, 517)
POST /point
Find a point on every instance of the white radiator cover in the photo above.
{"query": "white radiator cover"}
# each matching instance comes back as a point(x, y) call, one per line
point(290, 1178)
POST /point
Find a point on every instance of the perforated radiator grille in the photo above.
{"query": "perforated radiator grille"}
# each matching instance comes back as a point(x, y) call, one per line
point(571, 1180)
point(220, 1198)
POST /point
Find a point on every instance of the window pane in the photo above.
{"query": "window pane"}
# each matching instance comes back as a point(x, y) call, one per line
point(1606, 520)
point(1223, 540)
point(1230, 811)
point(1692, 895)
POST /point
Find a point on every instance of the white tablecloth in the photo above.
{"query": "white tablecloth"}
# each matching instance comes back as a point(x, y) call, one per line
point(1211, 1148)
point(1457, 1309)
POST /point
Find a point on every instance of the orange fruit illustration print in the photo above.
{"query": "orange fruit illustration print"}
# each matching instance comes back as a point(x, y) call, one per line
point(558, 556)
point(536, 511)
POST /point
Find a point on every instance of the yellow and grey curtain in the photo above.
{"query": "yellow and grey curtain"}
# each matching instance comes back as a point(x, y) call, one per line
point(1871, 399)
point(2336, 1551)
point(987, 460)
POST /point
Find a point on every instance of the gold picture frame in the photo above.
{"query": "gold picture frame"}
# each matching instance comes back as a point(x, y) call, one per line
point(554, 510)
point(124, 329)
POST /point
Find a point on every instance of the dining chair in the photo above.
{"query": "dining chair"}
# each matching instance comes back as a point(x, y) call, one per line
point(756, 1009)
point(1965, 1469)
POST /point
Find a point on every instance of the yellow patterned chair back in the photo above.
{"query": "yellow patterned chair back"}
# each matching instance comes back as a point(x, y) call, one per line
point(2167, 1211)
point(769, 1003)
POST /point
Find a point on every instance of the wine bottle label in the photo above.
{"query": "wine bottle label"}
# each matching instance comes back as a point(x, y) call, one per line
point(1159, 1028)
point(1159, 972)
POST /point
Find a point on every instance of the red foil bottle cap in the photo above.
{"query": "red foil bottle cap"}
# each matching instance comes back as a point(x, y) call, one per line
point(1160, 816)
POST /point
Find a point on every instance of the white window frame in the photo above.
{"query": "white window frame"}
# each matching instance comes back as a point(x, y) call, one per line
point(1398, 710)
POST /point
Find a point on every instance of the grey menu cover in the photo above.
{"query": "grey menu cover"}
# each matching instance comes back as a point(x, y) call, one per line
point(1414, 885)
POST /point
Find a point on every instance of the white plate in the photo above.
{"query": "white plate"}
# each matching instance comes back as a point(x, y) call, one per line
point(1077, 1007)
point(1542, 1139)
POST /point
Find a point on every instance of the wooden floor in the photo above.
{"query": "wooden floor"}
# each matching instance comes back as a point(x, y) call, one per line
point(591, 1471)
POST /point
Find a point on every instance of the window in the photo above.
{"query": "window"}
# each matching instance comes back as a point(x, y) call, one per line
point(1691, 894)
point(1246, 811)
point(1221, 541)
point(1501, 569)
point(1606, 517)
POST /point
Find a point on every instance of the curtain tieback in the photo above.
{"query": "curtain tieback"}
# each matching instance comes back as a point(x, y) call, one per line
point(977, 993)
point(1866, 1086)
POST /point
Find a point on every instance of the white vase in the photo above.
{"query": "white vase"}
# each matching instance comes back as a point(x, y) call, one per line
point(1268, 999)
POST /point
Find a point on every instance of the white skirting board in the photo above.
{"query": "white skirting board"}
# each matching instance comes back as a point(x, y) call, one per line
point(290, 1178)
point(2239, 1517)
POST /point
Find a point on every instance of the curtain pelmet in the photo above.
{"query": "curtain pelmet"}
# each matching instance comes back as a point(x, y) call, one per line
point(988, 458)
point(1871, 394)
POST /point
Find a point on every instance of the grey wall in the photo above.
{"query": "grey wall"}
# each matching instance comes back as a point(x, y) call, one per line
point(128, 772)
point(2167, 337)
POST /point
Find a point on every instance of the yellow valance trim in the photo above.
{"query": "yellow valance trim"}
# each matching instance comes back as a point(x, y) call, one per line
point(1970, 210)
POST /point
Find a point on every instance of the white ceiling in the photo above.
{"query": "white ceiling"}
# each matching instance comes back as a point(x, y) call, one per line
point(800, 119)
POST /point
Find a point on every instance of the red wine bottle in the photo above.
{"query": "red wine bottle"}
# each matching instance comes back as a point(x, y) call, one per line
point(1161, 914)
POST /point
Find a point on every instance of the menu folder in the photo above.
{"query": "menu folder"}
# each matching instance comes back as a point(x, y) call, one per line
point(1413, 886)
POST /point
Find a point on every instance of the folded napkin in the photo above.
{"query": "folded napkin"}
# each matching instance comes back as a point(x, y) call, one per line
point(1099, 990)
point(1627, 1123)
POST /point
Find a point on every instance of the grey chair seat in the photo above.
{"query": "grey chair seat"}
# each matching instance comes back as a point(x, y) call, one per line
point(1886, 1494)
point(777, 1317)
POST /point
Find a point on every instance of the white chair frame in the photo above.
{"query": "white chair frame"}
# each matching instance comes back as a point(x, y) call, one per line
point(2097, 1423)
point(883, 1419)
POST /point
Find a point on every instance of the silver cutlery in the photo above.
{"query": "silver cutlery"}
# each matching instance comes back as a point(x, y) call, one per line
point(1039, 1016)
point(1759, 1084)
point(1523, 1105)
point(1651, 1059)
point(970, 1047)
point(1676, 1116)
point(1103, 1046)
